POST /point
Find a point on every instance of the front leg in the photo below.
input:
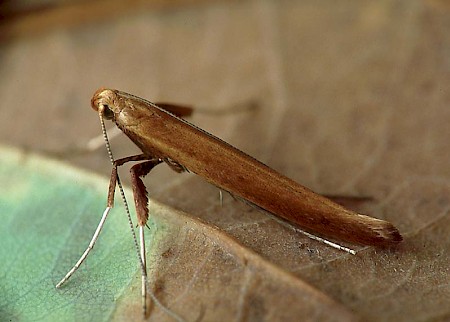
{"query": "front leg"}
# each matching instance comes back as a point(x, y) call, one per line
point(110, 203)
point(114, 177)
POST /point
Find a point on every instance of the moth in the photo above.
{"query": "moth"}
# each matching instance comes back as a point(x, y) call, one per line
point(164, 137)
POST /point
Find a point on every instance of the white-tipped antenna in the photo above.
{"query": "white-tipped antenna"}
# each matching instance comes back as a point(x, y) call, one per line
point(140, 248)
point(297, 229)
point(88, 249)
point(312, 236)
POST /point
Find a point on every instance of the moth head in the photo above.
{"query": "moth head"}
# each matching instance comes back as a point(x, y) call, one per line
point(103, 102)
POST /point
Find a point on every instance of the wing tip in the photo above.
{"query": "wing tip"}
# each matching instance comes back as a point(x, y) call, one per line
point(387, 233)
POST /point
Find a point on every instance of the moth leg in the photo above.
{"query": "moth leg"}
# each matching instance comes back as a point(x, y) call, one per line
point(141, 203)
point(175, 166)
point(139, 191)
point(112, 185)
point(140, 197)
point(113, 180)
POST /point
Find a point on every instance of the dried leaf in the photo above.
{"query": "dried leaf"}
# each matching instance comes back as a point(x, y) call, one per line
point(352, 100)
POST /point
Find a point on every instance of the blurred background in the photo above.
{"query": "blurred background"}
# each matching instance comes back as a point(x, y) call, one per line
point(345, 97)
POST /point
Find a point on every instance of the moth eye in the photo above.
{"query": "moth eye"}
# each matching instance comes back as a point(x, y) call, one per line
point(107, 112)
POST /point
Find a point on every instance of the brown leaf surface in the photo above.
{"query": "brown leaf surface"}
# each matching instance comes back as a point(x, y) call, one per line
point(352, 99)
point(204, 275)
